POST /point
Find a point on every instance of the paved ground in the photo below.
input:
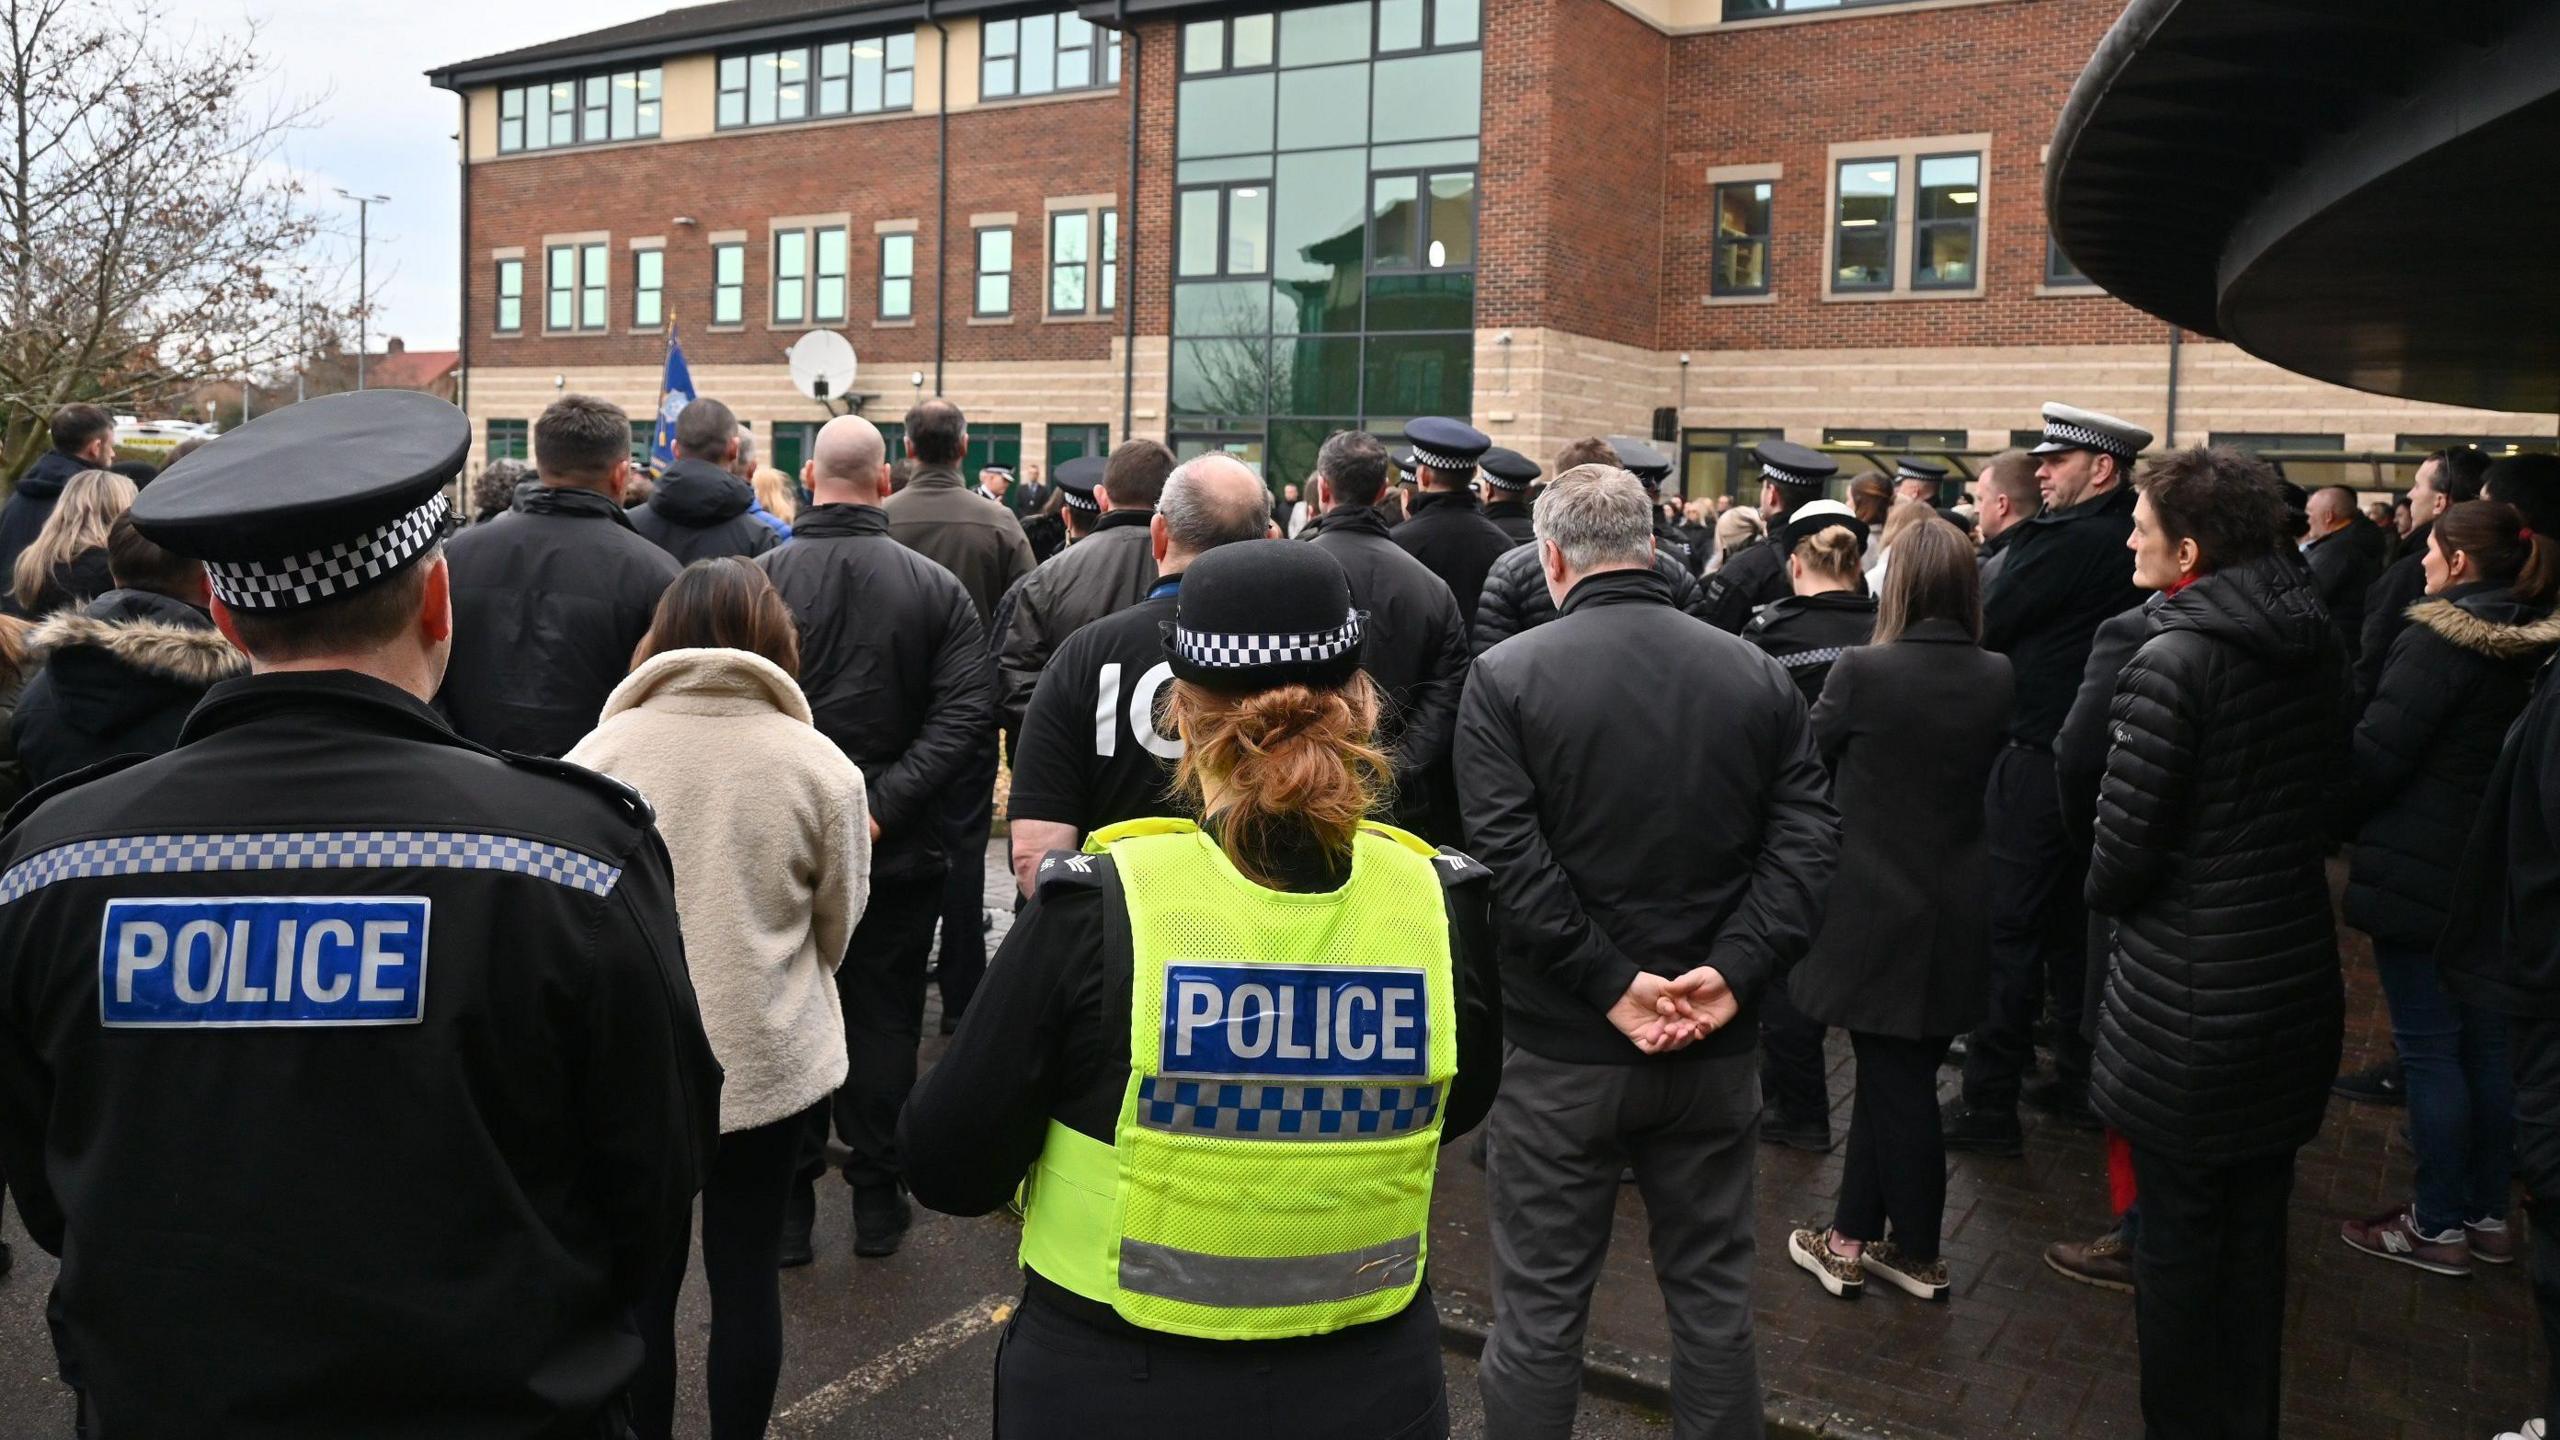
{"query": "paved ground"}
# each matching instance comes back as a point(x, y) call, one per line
point(900, 1349)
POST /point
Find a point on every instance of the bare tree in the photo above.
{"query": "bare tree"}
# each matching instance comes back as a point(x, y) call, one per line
point(150, 236)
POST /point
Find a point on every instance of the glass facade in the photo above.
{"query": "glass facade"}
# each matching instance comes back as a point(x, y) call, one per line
point(1324, 226)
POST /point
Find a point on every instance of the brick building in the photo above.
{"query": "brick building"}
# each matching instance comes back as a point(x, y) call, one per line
point(1242, 228)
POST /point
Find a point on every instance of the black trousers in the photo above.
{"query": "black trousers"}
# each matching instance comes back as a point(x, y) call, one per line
point(1058, 1375)
point(2209, 1266)
point(741, 1242)
point(2039, 933)
point(1792, 1076)
point(2534, 1050)
point(1896, 1169)
point(968, 818)
point(881, 983)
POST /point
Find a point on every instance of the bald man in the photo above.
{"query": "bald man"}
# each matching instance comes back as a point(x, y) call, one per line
point(1074, 770)
point(894, 663)
point(2343, 562)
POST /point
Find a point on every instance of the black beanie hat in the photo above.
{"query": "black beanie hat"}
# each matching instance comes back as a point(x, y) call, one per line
point(1260, 614)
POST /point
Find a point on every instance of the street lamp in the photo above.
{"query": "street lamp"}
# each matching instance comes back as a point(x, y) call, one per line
point(364, 300)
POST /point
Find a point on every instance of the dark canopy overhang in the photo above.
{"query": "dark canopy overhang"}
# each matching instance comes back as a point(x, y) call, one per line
point(2356, 190)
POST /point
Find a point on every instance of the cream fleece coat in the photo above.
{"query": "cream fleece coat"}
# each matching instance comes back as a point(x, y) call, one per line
point(769, 827)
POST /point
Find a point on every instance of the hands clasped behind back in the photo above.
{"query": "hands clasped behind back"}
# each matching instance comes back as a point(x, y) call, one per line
point(1659, 1015)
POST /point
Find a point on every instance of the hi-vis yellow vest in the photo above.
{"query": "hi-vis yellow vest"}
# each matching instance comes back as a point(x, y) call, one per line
point(1289, 1059)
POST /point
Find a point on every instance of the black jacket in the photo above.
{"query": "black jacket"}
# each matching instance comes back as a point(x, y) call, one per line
point(549, 602)
point(1515, 596)
point(1104, 573)
point(698, 511)
point(1808, 633)
point(1414, 647)
point(2457, 677)
point(1671, 540)
point(2344, 566)
point(1605, 862)
point(895, 667)
point(1514, 519)
point(303, 1229)
point(1756, 575)
point(1909, 730)
point(2065, 571)
point(119, 677)
point(2080, 748)
point(1453, 540)
point(2386, 612)
point(2501, 947)
point(30, 505)
point(73, 583)
point(2220, 1027)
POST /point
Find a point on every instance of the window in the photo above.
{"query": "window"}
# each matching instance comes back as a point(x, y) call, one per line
point(1754, 9)
point(897, 277)
point(808, 275)
point(644, 433)
point(1110, 261)
point(864, 75)
point(1044, 55)
point(2058, 267)
point(1923, 442)
point(1862, 250)
point(1222, 230)
point(1072, 442)
point(1239, 42)
point(509, 440)
point(1428, 24)
point(510, 296)
point(1070, 261)
point(1713, 461)
point(584, 110)
point(729, 283)
point(993, 445)
point(574, 287)
point(1947, 222)
point(1422, 222)
point(648, 289)
point(1742, 239)
point(995, 271)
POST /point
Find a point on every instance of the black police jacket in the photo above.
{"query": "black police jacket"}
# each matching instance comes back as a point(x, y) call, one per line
point(1454, 541)
point(352, 1070)
point(549, 601)
point(1617, 841)
point(2065, 571)
point(1515, 596)
point(698, 511)
point(1806, 633)
point(1514, 518)
point(1413, 644)
point(2403, 583)
point(895, 666)
point(1755, 576)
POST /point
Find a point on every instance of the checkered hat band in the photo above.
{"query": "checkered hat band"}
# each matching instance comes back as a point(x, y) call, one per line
point(1249, 652)
point(1079, 500)
point(2063, 432)
point(1438, 461)
point(1781, 475)
point(302, 579)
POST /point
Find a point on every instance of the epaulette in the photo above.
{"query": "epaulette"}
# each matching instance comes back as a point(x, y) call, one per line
point(1456, 868)
point(1072, 870)
point(630, 801)
point(61, 784)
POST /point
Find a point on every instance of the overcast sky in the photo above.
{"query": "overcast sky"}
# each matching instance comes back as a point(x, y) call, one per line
point(383, 130)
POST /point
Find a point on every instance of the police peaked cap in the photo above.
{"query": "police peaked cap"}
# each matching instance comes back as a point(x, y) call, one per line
point(1638, 458)
point(1806, 521)
point(1451, 447)
point(1077, 479)
point(1910, 469)
point(1790, 466)
point(1508, 469)
point(2068, 427)
point(313, 501)
point(1260, 614)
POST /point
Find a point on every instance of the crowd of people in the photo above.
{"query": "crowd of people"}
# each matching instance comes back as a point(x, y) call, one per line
point(1331, 846)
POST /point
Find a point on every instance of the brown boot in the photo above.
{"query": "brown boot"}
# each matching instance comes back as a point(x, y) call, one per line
point(2106, 1262)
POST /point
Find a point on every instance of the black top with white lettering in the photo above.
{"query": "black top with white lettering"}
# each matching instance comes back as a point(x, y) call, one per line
point(1093, 750)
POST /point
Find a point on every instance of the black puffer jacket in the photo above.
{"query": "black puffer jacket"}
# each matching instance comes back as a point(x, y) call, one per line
point(2220, 1026)
point(699, 512)
point(120, 677)
point(1515, 596)
point(2458, 676)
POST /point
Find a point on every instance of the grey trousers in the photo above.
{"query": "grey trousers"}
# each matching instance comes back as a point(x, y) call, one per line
point(1560, 1135)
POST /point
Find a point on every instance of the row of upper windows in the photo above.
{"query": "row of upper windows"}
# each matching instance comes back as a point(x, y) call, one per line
point(1900, 223)
point(807, 277)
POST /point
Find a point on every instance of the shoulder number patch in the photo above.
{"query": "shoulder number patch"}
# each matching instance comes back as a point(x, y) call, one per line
point(1329, 1021)
point(231, 963)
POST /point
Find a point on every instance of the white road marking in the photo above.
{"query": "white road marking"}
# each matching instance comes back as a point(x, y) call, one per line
point(864, 1382)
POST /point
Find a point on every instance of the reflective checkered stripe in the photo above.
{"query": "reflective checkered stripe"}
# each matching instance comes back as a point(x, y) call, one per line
point(319, 574)
point(2063, 432)
point(1781, 475)
point(1246, 652)
point(1438, 461)
point(308, 850)
point(1803, 658)
point(1284, 1112)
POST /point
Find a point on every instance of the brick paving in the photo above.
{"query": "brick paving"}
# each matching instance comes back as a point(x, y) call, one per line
point(2373, 1351)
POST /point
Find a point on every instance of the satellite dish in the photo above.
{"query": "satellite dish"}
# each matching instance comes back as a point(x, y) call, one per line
point(822, 365)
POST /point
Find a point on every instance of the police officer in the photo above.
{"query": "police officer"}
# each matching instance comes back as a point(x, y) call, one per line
point(1652, 468)
point(1095, 749)
point(1921, 480)
point(1311, 990)
point(1790, 475)
point(1446, 531)
point(352, 1069)
point(1508, 474)
point(1068, 515)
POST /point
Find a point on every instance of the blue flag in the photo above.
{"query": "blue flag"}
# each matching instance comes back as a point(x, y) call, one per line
point(674, 393)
